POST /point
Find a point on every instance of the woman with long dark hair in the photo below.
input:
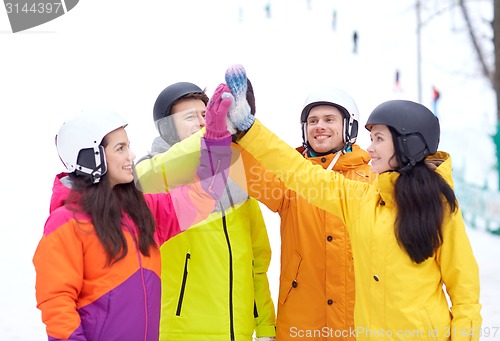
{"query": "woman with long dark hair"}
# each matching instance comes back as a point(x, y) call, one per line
point(98, 262)
point(409, 242)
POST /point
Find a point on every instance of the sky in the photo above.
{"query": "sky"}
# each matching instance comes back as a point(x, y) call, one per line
point(119, 54)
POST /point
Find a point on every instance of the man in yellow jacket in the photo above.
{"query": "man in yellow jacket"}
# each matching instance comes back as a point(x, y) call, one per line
point(214, 279)
point(316, 293)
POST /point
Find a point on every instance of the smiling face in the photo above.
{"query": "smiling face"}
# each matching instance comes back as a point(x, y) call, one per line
point(119, 157)
point(188, 116)
point(381, 149)
point(325, 128)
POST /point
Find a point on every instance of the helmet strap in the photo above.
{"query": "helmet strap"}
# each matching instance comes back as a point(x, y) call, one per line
point(305, 143)
point(101, 167)
point(334, 161)
point(409, 166)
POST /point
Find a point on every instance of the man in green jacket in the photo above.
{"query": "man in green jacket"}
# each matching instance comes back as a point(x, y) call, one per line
point(214, 284)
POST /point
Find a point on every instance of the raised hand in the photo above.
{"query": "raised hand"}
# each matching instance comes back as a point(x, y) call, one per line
point(241, 112)
point(217, 110)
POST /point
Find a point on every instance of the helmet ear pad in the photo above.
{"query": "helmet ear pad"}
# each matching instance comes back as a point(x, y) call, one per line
point(93, 161)
point(410, 148)
point(168, 131)
point(350, 130)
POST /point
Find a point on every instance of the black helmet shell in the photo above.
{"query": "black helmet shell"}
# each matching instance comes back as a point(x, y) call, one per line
point(417, 128)
point(169, 95)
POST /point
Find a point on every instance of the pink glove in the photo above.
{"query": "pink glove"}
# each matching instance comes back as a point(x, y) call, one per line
point(217, 110)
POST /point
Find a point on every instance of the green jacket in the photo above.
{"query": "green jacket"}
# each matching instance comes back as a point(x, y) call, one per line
point(395, 298)
point(214, 275)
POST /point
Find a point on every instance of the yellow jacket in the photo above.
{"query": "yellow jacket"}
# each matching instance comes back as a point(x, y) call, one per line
point(214, 275)
point(395, 298)
point(316, 290)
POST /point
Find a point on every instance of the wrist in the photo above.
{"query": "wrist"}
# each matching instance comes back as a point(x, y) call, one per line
point(213, 134)
point(245, 123)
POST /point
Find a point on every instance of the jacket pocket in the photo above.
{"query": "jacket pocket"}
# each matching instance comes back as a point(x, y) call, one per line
point(94, 316)
point(183, 285)
point(433, 327)
point(289, 280)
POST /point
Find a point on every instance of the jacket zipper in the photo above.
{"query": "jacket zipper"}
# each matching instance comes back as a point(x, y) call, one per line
point(143, 281)
point(183, 286)
point(231, 313)
point(230, 251)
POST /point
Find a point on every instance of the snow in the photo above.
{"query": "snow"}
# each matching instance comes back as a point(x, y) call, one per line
point(119, 55)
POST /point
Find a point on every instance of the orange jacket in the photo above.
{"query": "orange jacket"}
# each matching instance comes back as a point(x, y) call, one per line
point(316, 294)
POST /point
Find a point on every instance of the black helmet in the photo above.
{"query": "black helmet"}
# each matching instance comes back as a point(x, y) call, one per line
point(169, 95)
point(416, 129)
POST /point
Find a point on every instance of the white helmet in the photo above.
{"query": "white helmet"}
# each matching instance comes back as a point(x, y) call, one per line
point(339, 99)
point(79, 146)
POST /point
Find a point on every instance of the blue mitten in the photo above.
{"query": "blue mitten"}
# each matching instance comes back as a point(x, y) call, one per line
point(240, 114)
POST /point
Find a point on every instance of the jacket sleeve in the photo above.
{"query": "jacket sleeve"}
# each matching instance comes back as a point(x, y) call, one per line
point(460, 274)
point(329, 191)
point(58, 262)
point(187, 205)
point(265, 314)
point(263, 184)
point(172, 168)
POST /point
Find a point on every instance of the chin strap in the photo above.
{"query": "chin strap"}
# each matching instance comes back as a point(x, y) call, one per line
point(408, 166)
point(338, 154)
point(334, 161)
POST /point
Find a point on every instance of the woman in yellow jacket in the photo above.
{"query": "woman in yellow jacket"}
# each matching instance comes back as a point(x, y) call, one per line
point(316, 291)
point(408, 238)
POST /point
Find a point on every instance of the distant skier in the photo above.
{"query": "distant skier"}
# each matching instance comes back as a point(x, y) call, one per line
point(435, 99)
point(334, 20)
point(397, 85)
point(267, 8)
point(355, 42)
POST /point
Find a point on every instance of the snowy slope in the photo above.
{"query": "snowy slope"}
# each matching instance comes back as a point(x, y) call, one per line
point(119, 54)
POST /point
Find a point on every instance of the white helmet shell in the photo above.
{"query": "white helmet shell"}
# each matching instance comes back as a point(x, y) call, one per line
point(78, 142)
point(339, 99)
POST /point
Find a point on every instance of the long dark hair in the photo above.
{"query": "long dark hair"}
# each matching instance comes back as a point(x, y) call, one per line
point(106, 206)
point(421, 197)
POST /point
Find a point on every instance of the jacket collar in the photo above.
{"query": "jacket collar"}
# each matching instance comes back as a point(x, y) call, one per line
point(60, 191)
point(351, 160)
